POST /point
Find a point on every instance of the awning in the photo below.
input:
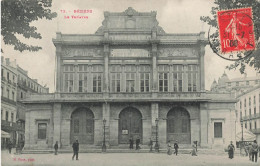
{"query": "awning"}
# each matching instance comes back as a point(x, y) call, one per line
point(5, 134)
point(247, 136)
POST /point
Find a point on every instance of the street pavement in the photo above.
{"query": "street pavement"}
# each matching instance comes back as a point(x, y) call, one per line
point(122, 159)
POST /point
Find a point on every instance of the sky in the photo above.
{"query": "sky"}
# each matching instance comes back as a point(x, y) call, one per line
point(174, 16)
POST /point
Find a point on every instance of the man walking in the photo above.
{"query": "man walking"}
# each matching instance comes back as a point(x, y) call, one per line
point(56, 147)
point(10, 146)
point(176, 147)
point(75, 147)
point(254, 151)
point(231, 149)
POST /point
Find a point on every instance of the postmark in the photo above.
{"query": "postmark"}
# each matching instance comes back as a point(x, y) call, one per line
point(235, 36)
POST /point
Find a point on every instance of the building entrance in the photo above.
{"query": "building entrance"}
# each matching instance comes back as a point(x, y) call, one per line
point(130, 125)
point(178, 125)
point(82, 126)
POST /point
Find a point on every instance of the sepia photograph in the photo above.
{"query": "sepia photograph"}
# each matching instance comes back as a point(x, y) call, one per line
point(130, 82)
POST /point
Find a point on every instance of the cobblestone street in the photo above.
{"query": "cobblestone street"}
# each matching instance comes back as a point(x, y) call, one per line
point(122, 159)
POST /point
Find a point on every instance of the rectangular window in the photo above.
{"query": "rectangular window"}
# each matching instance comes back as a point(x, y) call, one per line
point(240, 105)
point(254, 110)
point(8, 93)
point(192, 78)
point(250, 125)
point(237, 83)
point(97, 82)
point(249, 111)
point(249, 101)
point(76, 125)
point(12, 117)
point(82, 82)
point(144, 84)
point(115, 77)
point(2, 91)
point(130, 82)
point(69, 82)
point(254, 100)
point(255, 125)
point(217, 130)
point(12, 95)
point(245, 103)
point(6, 115)
point(8, 76)
point(163, 82)
point(42, 130)
point(246, 125)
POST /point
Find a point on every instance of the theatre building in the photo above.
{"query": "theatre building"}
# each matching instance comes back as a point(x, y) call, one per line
point(130, 73)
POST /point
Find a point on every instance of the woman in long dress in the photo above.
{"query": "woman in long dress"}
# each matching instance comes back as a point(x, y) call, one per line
point(193, 152)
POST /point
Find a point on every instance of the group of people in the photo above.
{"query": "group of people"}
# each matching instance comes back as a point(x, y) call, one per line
point(137, 143)
point(175, 146)
point(253, 151)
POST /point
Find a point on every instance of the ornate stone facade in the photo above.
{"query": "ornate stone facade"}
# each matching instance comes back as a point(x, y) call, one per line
point(129, 73)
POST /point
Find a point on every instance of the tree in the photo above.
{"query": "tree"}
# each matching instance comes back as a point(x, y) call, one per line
point(253, 59)
point(16, 17)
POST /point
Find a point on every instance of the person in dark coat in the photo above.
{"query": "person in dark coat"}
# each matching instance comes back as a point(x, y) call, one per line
point(254, 151)
point(75, 147)
point(176, 147)
point(231, 149)
point(151, 145)
point(10, 146)
point(131, 142)
point(56, 146)
point(137, 143)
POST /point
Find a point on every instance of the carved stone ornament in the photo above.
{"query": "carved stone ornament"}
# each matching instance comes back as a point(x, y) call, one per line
point(90, 52)
point(130, 12)
point(168, 52)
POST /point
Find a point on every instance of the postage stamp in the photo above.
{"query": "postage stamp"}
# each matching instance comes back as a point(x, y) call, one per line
point(236, 30)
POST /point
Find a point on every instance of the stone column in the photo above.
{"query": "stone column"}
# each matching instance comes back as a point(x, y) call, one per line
point(65, 134)
point(106, 75)
point(106, 115)
point(162, 132)
point(203, 125)
point(154, 68)
point(202, 70)
point(57, 123)
point(114, 132)
point(58, 64)
point(185, 78)
point(76, 79)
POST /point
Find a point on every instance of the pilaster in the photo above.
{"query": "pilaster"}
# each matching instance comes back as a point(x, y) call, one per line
point(58, 68)
point(154, 68)
point(203, 125)
point(202, 70)
point(57, 123)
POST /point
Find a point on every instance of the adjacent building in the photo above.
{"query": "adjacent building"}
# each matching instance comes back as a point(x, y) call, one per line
point(15, 85)
point(248, 108)
point(132, 74)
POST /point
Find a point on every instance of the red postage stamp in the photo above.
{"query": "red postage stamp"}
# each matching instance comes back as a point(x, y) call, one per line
point(236, 30)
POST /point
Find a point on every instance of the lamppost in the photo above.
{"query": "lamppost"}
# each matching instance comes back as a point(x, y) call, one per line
point(104, 147)
point(156, 147)
point(242, 143)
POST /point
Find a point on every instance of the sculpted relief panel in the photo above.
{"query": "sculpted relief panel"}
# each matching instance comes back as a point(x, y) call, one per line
point(88, 52)
point(171, 52)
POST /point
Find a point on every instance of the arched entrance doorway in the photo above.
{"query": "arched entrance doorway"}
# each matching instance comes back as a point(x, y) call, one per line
point(130, 125)
point(82, 126)
point(178, 125)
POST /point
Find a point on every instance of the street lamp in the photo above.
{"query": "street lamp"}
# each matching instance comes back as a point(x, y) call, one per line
point(156, 147)
point(242, 143)
point(104, 147)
